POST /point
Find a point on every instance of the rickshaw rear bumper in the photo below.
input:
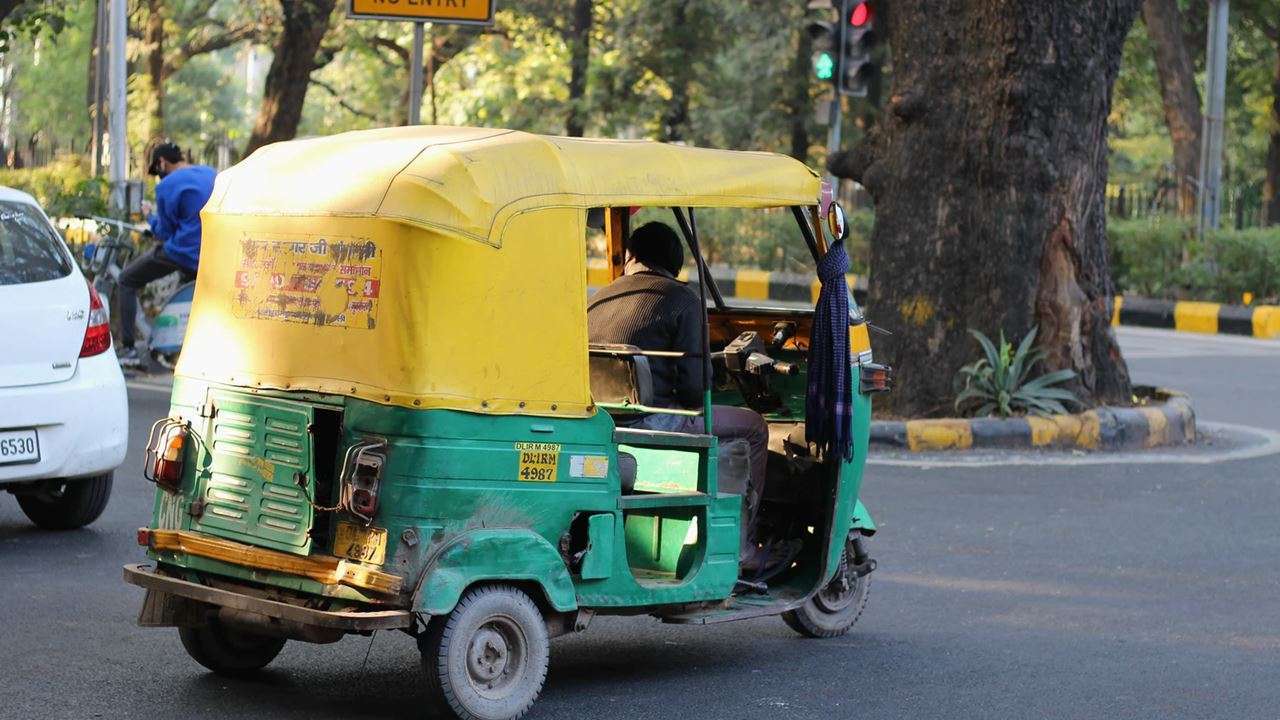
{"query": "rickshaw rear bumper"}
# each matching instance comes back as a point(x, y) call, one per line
point(262, 610)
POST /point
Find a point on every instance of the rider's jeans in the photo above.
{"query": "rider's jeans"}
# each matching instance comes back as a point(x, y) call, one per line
point(147, 268)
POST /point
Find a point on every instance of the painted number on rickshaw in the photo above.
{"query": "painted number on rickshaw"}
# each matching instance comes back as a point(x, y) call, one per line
point(538, 461)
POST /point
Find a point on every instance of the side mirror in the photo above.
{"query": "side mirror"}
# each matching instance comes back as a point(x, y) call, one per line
point(837, 223)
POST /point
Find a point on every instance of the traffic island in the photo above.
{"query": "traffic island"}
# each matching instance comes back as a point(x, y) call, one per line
point(1163, 418)
point(1260, 321)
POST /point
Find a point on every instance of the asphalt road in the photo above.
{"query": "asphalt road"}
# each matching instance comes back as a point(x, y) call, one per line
point(1052, 591)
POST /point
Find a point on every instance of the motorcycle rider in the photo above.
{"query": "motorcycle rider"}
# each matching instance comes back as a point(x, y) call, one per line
point(182, 192)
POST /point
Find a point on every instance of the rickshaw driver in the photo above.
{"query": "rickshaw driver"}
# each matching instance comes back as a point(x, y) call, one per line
point(649, 308)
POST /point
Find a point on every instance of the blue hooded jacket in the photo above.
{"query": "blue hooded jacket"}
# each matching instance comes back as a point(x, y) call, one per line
point(180, 196)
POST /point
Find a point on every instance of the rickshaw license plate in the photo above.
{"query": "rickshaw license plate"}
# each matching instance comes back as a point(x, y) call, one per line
point(358, 543)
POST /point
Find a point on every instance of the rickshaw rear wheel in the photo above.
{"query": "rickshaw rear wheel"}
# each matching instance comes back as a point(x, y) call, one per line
point(229, 651)
point(833, 610)
point(487, 660)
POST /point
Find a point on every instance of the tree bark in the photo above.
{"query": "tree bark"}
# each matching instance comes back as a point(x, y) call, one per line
point(1180, 94)
point(579, 63)
point(676, 117)
point(988, 169)
point(799, 101)
point(285, 90)
point(153, 39)
point(1271, 189)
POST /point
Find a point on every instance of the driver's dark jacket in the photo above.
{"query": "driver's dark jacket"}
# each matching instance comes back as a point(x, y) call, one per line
point(652, 310)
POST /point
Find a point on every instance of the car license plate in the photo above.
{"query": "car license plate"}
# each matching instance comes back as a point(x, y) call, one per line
point(358, 543)
point(19, 446)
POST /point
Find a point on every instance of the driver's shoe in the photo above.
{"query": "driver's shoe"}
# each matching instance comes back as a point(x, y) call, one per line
point(762, 563)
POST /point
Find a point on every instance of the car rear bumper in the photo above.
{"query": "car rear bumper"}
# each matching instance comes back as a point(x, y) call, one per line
point(145, 576)
point(82, 422)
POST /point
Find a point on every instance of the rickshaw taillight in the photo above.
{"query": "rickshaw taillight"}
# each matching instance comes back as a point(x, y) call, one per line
point(361, 477)
point(876, 378)
point(164, 457)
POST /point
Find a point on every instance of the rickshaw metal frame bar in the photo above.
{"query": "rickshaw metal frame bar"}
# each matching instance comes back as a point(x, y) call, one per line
point(704, 273)
point(807, 231)
point(147, 577)
point(648, 409)
point(690, 229)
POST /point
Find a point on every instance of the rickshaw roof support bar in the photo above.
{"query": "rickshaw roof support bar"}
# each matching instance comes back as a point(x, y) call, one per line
point(807, 231)
point(704, 273)
point(690, 230)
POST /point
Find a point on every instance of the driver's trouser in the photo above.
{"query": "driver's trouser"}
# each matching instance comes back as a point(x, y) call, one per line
point(730, 423)
point(135, 276)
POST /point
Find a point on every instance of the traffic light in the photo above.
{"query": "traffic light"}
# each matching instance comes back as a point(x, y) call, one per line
point(826, 46)
point(859, 66)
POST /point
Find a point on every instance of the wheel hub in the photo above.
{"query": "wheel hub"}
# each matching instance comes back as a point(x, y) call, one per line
point(487, 656)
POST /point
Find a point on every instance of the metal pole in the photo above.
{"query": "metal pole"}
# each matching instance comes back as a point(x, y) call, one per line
point(117, 93)
point(1215, 99)
point(99, 84)
point(833, 136)
point(415, 75)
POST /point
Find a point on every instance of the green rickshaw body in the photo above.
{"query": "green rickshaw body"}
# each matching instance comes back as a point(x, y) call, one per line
point(387, 410)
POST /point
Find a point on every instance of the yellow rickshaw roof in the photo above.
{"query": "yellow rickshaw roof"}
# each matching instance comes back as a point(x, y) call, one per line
point(469, 181)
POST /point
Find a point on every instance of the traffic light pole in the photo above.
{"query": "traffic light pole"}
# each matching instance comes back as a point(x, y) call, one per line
point(833, 135)
point(1215, 100)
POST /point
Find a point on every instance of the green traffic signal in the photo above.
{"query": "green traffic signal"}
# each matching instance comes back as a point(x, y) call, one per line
point(824, 65)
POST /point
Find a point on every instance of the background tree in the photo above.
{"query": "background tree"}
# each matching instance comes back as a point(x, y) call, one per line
point(988, 173)
point(1180, 94)
point(296, 54)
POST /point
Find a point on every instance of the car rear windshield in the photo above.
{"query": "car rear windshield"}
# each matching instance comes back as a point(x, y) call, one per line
point(30, 250)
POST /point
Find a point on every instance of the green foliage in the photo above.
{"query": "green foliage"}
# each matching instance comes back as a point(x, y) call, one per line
point(31, 18)
point(1163, 258)
point(63, 187)
point(1000, 382)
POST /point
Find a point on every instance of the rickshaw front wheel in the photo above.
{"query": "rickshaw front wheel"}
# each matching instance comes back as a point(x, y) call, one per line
point(833, 610)
point(487, 660)
point(227, 650)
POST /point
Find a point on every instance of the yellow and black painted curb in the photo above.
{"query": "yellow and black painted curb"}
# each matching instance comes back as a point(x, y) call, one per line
point(751, 284)
point(1166, 420)
point(1262, 321)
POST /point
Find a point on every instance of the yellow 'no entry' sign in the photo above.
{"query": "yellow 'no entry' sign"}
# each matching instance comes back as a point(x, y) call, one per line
point(477, 12)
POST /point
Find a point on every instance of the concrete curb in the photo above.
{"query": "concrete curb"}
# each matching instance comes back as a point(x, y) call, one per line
point(751, 284)
point(1167, 420)
point(1261, 321)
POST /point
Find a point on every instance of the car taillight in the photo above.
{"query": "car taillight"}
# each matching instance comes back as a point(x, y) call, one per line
point(164, 456)
point(97, 336)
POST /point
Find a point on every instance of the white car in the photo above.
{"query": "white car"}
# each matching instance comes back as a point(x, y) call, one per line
point(64, 419)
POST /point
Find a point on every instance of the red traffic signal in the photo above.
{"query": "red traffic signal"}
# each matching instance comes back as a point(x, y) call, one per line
point(861, 14)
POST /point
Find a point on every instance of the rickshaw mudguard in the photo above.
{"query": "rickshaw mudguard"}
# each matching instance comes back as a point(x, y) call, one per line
point(862, 519)
point(493, 554)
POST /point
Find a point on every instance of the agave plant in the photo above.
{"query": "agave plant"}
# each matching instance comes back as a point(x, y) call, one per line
point(1000, 383)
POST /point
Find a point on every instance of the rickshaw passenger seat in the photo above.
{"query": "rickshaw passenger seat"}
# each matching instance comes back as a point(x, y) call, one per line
point(628, 468)
point(620, 375)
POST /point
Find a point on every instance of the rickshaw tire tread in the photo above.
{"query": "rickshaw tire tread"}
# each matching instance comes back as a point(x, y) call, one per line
point(436, 635)
point(794, 621)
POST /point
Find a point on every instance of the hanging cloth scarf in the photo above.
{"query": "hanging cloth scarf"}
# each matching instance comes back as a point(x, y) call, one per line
point(829, 400)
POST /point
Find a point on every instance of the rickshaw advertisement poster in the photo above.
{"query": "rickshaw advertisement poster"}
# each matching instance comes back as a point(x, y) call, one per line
point(327, 280)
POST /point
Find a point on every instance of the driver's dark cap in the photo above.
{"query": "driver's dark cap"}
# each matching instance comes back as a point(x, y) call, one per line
point(657, 245)
point(165, 150)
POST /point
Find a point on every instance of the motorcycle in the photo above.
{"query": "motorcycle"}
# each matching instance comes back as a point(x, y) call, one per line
point(162, 330)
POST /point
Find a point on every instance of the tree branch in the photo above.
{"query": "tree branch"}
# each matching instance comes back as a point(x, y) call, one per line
point(343, 103)
point(209, 43)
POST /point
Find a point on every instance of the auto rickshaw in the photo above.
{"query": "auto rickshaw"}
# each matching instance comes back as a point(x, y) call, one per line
point(387, 415)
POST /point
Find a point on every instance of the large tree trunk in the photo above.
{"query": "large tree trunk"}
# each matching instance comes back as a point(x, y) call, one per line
point(1180, 94)
point(153, 38)
point(579, 63)
point(1271, 190)
point(988, 170)
point(305, 24)
point(799, 101)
